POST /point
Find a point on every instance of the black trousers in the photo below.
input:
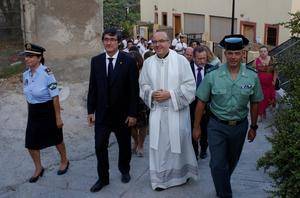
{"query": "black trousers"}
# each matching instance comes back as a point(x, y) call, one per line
point(123, 136)
point(203, 138)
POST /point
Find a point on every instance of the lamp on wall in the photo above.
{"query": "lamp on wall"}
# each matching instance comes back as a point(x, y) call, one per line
point(155, 7)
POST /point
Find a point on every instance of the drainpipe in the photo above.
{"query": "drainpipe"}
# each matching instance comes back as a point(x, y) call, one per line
point(232, 17)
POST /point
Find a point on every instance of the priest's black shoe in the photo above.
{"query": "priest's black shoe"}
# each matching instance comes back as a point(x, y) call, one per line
point(34, 179)
point(61, 172)
point(98, 186)
point(203, 155)
point(125, 178)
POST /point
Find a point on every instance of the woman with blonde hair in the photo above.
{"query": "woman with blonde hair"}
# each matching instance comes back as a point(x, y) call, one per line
point(212, 59)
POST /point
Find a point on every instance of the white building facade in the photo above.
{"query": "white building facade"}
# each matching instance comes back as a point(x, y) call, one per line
point(256, 19)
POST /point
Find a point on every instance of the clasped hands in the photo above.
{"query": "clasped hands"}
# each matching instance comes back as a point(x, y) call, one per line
point(161, 95)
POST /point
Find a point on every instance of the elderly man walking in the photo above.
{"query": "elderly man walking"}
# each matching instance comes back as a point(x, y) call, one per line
point(167, 87)
point(228, 89)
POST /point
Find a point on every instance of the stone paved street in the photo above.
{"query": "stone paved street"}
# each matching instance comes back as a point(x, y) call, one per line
point(17, 167)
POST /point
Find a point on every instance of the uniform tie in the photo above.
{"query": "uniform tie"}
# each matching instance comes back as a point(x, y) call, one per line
point(110, 69)
point(199, 77)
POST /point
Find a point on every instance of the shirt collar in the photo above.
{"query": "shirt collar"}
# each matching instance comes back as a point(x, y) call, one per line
point(38, 69)
point(197, 66)
point(164, 56)
point(115, 56)
point(243, 69)
point(225, 70)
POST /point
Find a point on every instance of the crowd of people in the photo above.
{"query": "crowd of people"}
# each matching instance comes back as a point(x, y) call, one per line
point(183, 96)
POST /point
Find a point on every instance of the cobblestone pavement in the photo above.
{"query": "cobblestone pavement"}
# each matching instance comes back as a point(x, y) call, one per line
point(17, 167)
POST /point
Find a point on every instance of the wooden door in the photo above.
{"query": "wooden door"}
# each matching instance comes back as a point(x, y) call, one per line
point(177, 23)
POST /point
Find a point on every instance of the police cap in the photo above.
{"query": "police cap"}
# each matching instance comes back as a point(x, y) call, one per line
point(31, 48)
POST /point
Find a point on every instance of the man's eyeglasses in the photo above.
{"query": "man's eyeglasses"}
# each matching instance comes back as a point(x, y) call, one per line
point(106, 40)
point(159, 41)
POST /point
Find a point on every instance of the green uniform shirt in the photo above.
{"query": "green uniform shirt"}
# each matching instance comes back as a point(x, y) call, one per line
point(229, 98)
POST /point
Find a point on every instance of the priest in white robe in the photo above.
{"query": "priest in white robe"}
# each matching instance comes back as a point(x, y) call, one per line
point(167, 87)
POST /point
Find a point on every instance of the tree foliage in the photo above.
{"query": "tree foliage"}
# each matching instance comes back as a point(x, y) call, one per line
point(293, 24)
point(122, 14)
point(283, 160)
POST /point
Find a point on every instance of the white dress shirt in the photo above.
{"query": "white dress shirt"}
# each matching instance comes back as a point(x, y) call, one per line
point(196, 71)
point(115, 56)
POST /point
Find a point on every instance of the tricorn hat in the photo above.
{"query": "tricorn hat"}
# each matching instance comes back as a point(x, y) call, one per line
point(234, 42)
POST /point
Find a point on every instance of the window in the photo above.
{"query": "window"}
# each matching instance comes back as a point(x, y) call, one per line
point(155, 18)
point(164, 18)
point(271, 34)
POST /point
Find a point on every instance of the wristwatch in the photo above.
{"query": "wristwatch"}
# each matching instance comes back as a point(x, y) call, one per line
point(254, 127)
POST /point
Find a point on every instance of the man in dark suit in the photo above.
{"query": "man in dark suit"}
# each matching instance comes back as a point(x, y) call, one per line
point(112, 105)
point(199, 67)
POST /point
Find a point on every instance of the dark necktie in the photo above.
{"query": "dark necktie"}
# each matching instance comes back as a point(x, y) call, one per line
point(110, 69)
point(199, 77)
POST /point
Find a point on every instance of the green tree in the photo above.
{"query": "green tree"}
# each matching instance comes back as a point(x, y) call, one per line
point(283, 160)
point(122, 14)
point(294, 24)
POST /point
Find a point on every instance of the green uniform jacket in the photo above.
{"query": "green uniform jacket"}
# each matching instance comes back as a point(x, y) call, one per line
point(229, 98)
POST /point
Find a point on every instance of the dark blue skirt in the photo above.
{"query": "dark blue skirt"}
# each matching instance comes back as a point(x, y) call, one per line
point(41, 131)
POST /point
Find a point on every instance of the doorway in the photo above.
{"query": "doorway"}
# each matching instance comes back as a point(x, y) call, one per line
point(248, 29)
point(176, 23)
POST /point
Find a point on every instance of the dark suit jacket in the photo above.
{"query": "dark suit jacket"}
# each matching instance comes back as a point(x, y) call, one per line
point(193, 104)
point(113, 102)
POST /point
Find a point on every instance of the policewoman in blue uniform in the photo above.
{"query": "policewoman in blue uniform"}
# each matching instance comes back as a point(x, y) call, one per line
point(44, 126)
point(228, 89)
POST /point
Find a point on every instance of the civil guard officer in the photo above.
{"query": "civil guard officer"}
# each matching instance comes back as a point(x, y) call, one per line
point(44, 126)
point(228, 89)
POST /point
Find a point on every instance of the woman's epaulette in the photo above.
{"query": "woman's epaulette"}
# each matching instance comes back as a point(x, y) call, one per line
point(48, 71)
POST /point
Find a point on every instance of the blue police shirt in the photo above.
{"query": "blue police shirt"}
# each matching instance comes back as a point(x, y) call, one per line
point(39, 87)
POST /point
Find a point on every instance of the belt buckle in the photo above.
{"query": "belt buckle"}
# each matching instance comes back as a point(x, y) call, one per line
point(232, 122)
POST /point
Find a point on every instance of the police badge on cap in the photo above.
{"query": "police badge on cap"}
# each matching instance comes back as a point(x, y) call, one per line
point(234, 42)
point(31, 48)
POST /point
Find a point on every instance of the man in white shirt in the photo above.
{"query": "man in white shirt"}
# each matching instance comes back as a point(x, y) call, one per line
point(181, 46)
point(175, 41)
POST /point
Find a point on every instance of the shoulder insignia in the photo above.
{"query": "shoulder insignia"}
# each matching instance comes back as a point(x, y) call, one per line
point(212, 69)
point(52, 86)
point(251, 68)
point(48, 70)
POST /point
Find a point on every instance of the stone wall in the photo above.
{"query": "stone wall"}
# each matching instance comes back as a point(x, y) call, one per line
point(68, 29)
